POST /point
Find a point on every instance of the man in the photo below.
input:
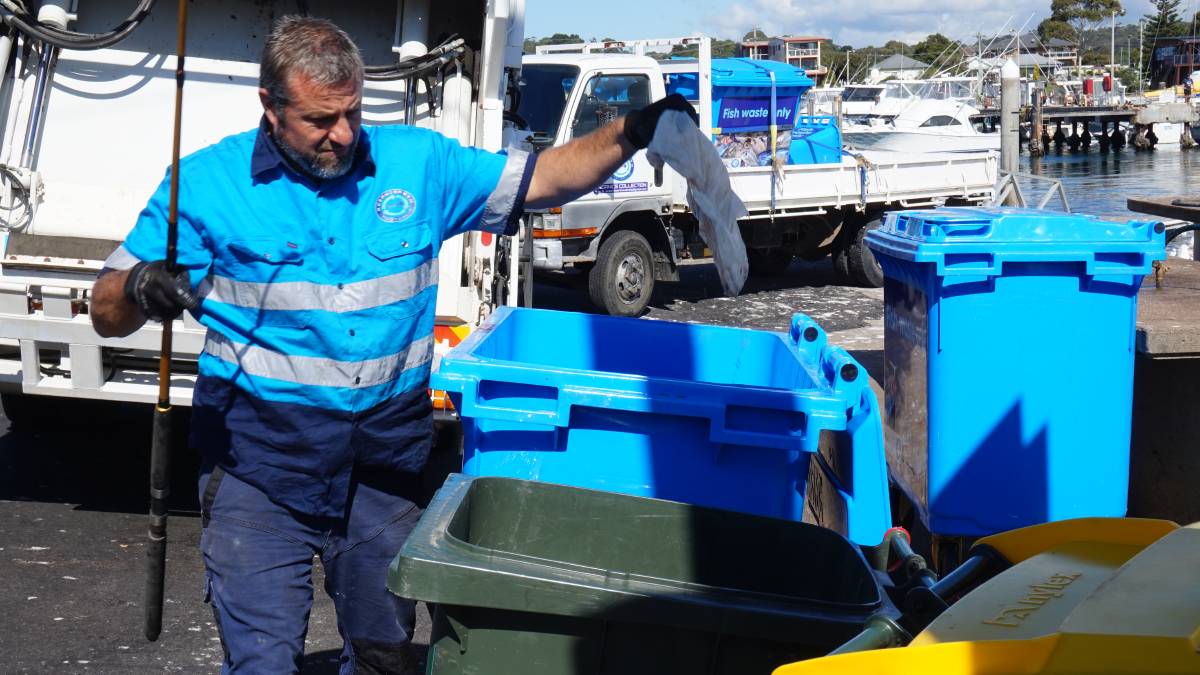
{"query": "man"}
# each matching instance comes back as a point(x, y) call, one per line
point(308, 248)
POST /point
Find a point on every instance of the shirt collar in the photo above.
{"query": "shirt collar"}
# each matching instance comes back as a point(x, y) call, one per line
point(267, 155)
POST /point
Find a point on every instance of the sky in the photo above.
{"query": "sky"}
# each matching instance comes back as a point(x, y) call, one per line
point(858, 23)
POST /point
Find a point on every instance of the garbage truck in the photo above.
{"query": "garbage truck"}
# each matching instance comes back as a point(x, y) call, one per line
point(86, 100)
point(806, 195)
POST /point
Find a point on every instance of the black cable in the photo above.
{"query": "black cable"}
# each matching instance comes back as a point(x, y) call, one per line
point(413, 69)
point(417, 66)
point(450, 43)
point(64, 39)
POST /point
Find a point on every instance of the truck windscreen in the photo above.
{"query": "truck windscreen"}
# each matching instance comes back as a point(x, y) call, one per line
point(544, 92)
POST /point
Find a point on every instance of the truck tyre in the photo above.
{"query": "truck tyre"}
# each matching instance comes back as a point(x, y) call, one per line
point(864, 269)
point(841, 262)
point(769, 262)
point(623, 279)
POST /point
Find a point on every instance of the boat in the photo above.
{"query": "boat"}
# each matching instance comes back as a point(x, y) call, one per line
point(925, 125)
point(858, 100)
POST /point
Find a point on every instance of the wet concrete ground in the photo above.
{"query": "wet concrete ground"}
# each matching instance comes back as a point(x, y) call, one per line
point(73, 498)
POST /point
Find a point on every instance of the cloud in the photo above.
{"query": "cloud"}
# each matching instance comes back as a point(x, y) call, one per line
point(874, 22)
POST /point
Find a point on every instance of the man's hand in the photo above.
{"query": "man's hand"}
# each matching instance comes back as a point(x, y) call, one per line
point(640, 124)
point(160, 294)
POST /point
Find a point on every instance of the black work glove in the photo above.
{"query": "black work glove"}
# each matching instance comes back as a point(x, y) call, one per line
point(640, 124)
point(162, 295)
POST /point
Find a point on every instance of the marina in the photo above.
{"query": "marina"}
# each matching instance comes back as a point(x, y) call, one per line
point(627, 355)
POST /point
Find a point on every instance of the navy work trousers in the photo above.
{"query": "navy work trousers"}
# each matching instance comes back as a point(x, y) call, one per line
point(259, 561)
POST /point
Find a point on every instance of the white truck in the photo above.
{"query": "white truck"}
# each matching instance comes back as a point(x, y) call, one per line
point(87, 137)
point(637, 228)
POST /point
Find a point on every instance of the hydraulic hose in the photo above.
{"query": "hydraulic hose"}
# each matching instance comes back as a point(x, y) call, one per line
point(20, 19)
point(418, 66)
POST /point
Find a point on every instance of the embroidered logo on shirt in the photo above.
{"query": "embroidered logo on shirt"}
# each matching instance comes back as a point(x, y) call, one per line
point(395, 205)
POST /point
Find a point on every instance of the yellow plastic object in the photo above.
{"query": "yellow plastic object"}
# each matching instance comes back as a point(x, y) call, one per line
point(1017, 545)
point(1108, 605)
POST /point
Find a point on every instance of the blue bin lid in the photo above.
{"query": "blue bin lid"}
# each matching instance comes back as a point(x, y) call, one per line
point(976, 240)
point(747, 73)
point(756, 73)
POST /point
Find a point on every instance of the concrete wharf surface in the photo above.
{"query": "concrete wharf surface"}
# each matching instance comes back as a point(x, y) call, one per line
point(73, 501)
point(73, 492)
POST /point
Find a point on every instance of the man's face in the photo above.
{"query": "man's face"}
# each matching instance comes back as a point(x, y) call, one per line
point(318, 129)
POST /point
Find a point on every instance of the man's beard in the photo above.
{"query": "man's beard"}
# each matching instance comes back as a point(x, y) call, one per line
point(322, 166)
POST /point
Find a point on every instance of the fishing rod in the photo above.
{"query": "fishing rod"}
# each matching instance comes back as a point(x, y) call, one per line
point(160, 448)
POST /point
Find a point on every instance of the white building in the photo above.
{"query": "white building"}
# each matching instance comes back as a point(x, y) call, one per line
point(897, 67)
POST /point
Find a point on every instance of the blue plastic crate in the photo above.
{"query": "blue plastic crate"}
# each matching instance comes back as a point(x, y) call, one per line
point(1009, 360)
point(816, 139)
point(720, 417)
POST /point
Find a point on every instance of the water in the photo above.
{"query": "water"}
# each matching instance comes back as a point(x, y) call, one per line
point(1100, 182)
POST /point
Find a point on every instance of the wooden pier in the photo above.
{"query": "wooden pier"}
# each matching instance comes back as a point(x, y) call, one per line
point(1043, 125)
point(1072, 113)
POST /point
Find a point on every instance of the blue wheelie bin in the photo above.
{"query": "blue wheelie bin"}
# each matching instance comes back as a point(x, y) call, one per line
point(1009, 361)
point(722, 417)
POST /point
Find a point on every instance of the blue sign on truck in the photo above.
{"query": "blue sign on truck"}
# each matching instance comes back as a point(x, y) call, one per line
point(754, 113)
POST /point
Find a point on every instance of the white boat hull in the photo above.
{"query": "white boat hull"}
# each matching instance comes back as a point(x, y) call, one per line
point(917, 141)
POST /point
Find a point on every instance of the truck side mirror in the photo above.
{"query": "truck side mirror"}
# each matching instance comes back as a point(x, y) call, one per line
point(658, 177)
point(540, 142)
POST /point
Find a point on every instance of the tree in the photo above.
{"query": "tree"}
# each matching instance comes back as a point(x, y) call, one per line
point(1164, 20)
point(755, 35)
point(531, 43)
point(938, 51)
point(1094, 57)
point(1050, 29)
point(724, 48)
point(836, 60)
point(1084, 15)
point(720, 49)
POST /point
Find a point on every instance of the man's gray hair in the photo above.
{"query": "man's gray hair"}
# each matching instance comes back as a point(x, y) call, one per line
point(315, 47)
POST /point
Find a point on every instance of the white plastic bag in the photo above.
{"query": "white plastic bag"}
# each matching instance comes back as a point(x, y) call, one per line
point(679, 143)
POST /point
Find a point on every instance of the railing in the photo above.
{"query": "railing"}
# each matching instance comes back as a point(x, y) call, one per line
point(803, 51)
point(1009, 191)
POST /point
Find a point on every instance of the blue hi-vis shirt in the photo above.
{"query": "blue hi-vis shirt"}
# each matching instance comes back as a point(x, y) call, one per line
point(319, 298)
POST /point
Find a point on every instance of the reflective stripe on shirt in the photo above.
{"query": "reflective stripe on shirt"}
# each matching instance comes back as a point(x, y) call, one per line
point(121, 259)
point(340, 298)
point(514, 180)
point(316, 371)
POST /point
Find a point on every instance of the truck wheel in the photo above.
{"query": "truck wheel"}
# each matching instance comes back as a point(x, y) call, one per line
point(623, 278)
point(860, 261)
point(770, 262)
point(841, 263)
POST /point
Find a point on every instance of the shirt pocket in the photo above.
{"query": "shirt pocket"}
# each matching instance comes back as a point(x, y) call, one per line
point(259, 278)
point(397, 244)
point(404, 250)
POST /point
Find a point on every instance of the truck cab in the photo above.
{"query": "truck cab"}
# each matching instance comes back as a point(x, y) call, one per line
point(565, 96)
